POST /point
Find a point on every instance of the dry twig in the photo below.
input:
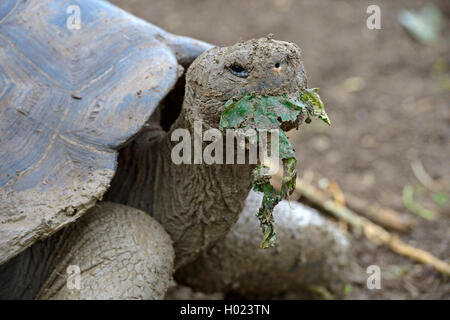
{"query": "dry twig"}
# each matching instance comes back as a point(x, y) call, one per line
point(373, 232)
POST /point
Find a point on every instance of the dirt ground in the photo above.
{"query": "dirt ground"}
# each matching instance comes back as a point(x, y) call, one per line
point(388, 99)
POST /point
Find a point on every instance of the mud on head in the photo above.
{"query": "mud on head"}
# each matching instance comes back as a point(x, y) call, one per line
point(262, 66)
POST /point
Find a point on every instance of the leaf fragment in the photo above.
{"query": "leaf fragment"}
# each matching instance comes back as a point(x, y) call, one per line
point(270, 112)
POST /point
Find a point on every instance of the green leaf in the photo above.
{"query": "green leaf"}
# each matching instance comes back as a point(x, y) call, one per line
point(285, 148)
point(314, 104)
point(260, 112)
point(289, 177)
point(235, 112)
point(262, 184)
point(265, 113)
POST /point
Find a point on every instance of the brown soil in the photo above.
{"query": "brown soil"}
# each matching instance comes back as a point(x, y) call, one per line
point(384, 94)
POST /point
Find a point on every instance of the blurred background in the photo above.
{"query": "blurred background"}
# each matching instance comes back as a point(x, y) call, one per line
point(387, 94)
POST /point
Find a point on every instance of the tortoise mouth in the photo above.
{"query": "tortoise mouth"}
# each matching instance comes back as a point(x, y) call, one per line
point(263, 112)
point(289, 125)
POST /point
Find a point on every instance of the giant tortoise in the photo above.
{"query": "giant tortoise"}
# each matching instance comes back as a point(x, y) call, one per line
point(71, 98)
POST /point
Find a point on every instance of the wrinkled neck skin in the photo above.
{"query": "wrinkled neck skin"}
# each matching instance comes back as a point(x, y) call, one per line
point(196, 203)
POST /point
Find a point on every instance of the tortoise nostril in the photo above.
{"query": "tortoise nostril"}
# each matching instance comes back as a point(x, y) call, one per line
point(277, 65)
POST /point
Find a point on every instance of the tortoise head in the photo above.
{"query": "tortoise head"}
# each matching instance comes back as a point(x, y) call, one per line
point(259, 66)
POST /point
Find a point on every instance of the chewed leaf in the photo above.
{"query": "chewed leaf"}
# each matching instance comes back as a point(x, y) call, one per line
point(262, 184)
point(294, 103)
point(314, 105)
point(260, 112)
point(267, 112)
point(236, 112)
point(289, 177)
point(285, 148)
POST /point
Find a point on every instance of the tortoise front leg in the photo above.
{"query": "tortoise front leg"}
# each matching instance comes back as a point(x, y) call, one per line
point(310, 251)
point(121, 253)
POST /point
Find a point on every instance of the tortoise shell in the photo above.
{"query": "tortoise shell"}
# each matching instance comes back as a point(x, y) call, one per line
point(78, 79)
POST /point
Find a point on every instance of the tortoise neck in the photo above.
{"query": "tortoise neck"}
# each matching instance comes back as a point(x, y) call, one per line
point(197, 203)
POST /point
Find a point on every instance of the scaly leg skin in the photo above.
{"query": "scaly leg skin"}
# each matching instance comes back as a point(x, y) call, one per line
point(310, 251)
point(122, 253)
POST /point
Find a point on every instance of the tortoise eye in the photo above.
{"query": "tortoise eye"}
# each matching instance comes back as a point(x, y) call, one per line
point(239, 71)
